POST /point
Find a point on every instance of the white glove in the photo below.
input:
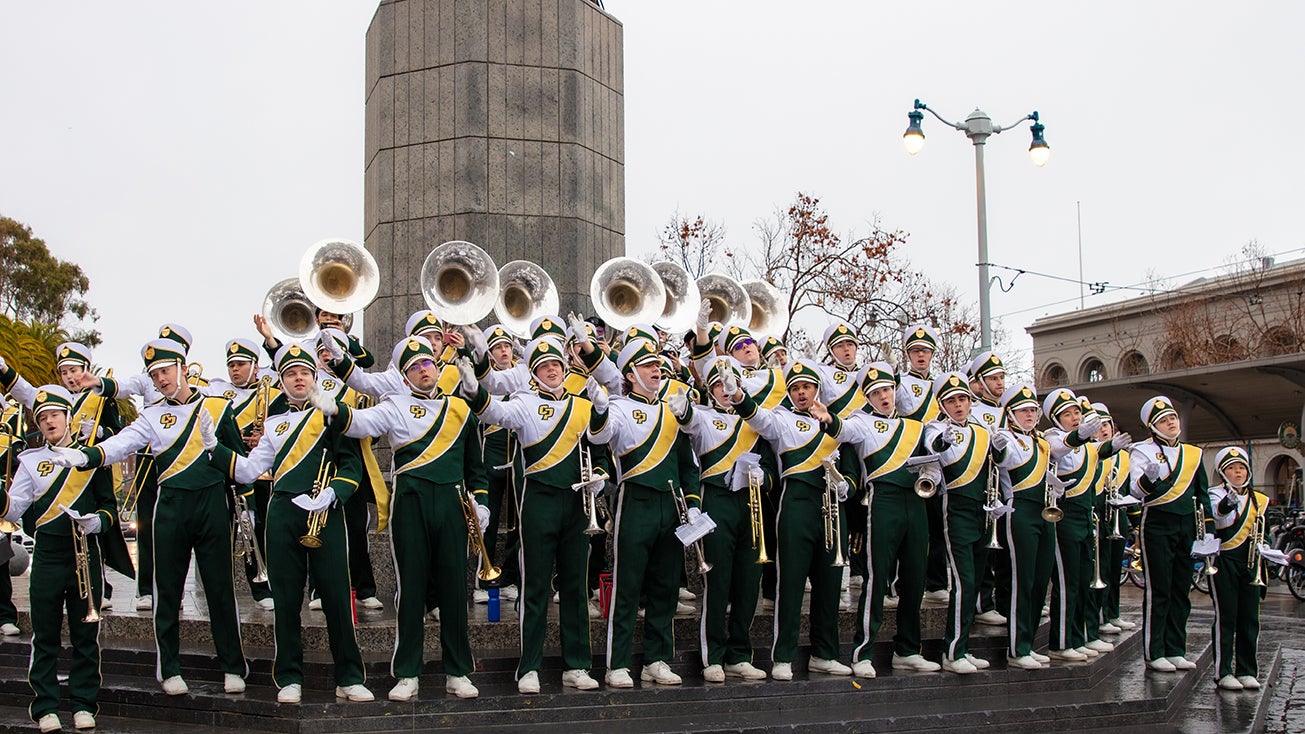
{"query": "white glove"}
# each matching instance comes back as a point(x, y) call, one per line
point(597, 395)
point(206, 430)
point(322, 401)
point(1055, 486)
point(321, 502)
point(578, 331)
point(755, 474)
point(998, 441)
point(482, 517)
point(1206, 546)
point(1152, 472)
point(466, 376)
point(3, 364)
point(1089, 427)
point(1121, 442)
point(842, 488)
point(68, 457)
point(730, 383)
point(1272, 555)
point(90, 524)
point(694, 514)
point(86, 430)
point(704, 316)
point(995, 513)
point(679, 403)
point(476, 341)
point(332, 347)
point(953, 436)
point(248, 517)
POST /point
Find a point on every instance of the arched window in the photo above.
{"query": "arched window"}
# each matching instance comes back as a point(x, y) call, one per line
point(1174, 357)
point(1133, 364)
point(1228, 349)
point(1054, 375)
point(1279, 340)
point(1094, 370)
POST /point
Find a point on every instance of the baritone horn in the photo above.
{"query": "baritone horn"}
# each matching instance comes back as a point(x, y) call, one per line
point(680, 310)
point(459, 282)
point(729, 301)
point(339, 277)
point(769, 314)
point(625, 292)
point(526, 292)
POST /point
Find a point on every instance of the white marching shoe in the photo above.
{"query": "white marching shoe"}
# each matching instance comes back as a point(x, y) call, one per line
point(144, 603)
point(371, 602)
point(232, 683)
point(358, 693)
point(991, 618)
point(915, 662)
point(292, 693)
point(660, 672)
point(863, 669)
point(9, 629)
point(1023, 663)
point(1181, 663)
point(1161, 665)
point(404, 690)
point(1043, 659)
point(713, 674)
point(829, 667)
point(315, 605)
point(267, 604)
point(782, 671)
point(1069, 654)
point(175, 686)
point(50, 722)
point(619, 678)
point(1249, 682)
point(578, 679)
point(890, 602)
point(1229, 683)
point(1124, 624)
point(1109, 629)
point(528, 683)
point(960, 666)
point(745, 670)
point(1100, 646)
point(460, 686)
point(83, 720)
point(979, 663)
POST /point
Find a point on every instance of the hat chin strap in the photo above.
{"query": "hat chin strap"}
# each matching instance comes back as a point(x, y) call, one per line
point(181, 373)
point(643, 385)
point(1166, 440)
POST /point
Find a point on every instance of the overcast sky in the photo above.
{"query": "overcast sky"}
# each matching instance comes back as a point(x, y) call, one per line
point(220, 140)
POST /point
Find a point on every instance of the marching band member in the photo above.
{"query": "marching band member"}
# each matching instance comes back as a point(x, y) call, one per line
point(653, 461)
point(549, 425)
point(963, 448)
point(1077, 464)
point(1166, 474)
point(775, 353)
point(314, 471)
point(897, 531)
point(66, 511)
point(738, 467)
point(11, 445)
point(1030, 538)
point(191, 513)
point(497, 451)
point(422, 324)
point(1240, 584)
point(916, 400)
point(1097, 530)
point(436, 459)
point(804, 437)
point(987, 376)
point(1115, 471)
point(250, 393)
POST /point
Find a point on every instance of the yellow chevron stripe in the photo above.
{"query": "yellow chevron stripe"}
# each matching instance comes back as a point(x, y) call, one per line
point(911, 431)
point(665, 439)
point(827, 447)
point(1189, 460)
point(1039, 469)
point(75, 482)
point(567, 440)
point(451, 421)
point(313, 426)
point(1091, 466)
point(745, 440)
point(1248, 522)
point(978, 456)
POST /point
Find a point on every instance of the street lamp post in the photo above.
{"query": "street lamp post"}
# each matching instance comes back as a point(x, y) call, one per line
point(978, 128)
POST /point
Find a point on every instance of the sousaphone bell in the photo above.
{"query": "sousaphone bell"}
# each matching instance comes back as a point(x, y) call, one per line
point(729, 301)
point(459, 282)
point(625, 292)
point(526, 292)
point(339, 277)
point(680, 310)
point(769, 312)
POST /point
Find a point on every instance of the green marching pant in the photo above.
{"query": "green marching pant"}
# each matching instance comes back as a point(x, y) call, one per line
point(258, 505)
point(1069, 581)
point(800, 554)
point(428, 536)
point(1032, 544)
point(502, 502)
point(967, 552)
point(1167, 564)
point(1236, 625)
point(194, 521)
point(149, 495)
point(648, 557)
point(734, 581)
point(54, 592)
point(937, 576)
point(552, 536)
point(897, 538)
point(289, 564)
point(1112, 561)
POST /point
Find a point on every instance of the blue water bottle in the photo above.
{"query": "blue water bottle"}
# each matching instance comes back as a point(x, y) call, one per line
point(493, 604)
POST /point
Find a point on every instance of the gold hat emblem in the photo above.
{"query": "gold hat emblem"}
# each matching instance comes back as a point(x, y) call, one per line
point(1025, 393)
point(499, 332)
point(546, 324)
point(149, 352)
point(235, 348)
point(797, 367)
point(295, 350)
point(413, 344)
point(842, 329)
point(65, 352)
point(954, 381)
point(873, 374)
point(1064, 395)
point(42, 396)
point(1234, 453)
point(165, 331)
point(919, 333)
point(632, 333)
point(734, 329)
point(430, 318)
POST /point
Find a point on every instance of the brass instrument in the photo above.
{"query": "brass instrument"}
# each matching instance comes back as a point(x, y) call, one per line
point(144, 462)
point(246, 543)
point(475, 542)
point(11, 439)
point(992, 500)
point(682, 507)
point(625, 292)
point(339, 277)
point(1254, 559)
point(769, 312)
point(82, 558)
point(830, 513)
point(729, 301)
point(754, 514)
point(289, 312)
point(262, 398)
point(526, 292)
point(317, 518)
point(925, 487)
point(1112, 494)
point(1097, 583)
point(680, 310)
point(1207, 563)
point(587, 498)
point(459, 281)
point(1051, 511)
point(195, 374)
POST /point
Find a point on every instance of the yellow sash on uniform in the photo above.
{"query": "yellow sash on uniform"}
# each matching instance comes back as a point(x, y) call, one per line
point(1248, 521)
point(1189, 461)
point(910, 438)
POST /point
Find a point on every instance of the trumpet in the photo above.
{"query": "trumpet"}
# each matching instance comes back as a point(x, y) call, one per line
point(1254, 558)
point(82, 557)
point(246, 542)
point(587, 498)
point(1207, 563)
point(925, 487)
point(830, 513)
point(682, 508)
point(317, 518)
point(1097, 583)
point(475, 542)
point(11, 443)
point(992, 499)
point(754, 515)
point(1112, 494)
point(1051, 511)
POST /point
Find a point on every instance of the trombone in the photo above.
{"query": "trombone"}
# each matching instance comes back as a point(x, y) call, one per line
point(754, 514)
point(317, 518)
point(82, 557)
point(475, 542)
point(144, 463)
point(1112, 495)
point(830, 513)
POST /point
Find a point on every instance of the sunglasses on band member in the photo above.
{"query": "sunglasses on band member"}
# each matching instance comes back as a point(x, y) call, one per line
point(745, 342)
point(421, 364)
